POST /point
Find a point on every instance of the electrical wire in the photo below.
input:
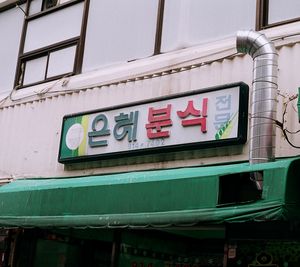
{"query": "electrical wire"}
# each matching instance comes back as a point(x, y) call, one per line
point(292, 132)
point(285, 131)
point(171, 71)
point(286, 36)
point(280, 125)
point(19, 7)
point(41, 93)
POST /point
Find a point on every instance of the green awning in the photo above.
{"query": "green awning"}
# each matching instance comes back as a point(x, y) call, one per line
point(148, 198)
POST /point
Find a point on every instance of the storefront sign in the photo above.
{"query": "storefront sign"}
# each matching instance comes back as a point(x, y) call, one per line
point(202, 118)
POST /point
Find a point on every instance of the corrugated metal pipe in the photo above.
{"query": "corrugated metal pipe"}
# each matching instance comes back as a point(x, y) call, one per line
point(264, 94)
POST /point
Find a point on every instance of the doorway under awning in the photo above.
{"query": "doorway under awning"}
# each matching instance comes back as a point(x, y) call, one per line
point(158, 198)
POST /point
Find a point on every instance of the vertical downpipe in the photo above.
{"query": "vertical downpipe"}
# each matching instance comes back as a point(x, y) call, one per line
point(264, 96)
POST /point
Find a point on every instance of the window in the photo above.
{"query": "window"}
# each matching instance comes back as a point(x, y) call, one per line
point(277, 12)
point(66, 37)
point(119, 31)
point(47, 66)
point(53, 41)
point(190, 22)
point(11, 22)
point(48, 4)
point(37, 6)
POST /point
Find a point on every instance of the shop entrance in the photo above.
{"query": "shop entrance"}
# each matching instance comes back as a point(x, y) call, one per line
point(118, 248)
point(173, 249)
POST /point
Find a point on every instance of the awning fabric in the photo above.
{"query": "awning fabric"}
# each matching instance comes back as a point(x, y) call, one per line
point(158, 198)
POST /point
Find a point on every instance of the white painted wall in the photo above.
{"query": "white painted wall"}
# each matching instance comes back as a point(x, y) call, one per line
point(30, 126)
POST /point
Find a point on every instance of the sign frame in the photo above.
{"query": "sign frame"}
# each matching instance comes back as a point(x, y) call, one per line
point(240, 139)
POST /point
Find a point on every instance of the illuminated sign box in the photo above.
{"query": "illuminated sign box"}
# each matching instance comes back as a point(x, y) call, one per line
point(198, 119)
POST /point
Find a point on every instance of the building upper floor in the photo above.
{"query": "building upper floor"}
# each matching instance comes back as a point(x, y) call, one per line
point(66, 57)
point(46, 40)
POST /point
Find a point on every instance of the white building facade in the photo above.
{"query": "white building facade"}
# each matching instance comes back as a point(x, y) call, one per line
point(102, 95)
point(78, 56)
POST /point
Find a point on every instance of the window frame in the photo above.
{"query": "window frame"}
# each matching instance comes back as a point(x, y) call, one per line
point(5, 7)
point(262, 16)
point(262, 8)
point(44, 5)
point(159, 27)
point(78, 61)
point(47, 50)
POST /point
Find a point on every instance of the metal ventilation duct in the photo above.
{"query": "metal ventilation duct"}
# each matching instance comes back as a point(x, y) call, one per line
point(264, 94)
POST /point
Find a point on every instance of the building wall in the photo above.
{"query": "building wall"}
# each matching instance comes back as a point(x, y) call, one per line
point(31, 118)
